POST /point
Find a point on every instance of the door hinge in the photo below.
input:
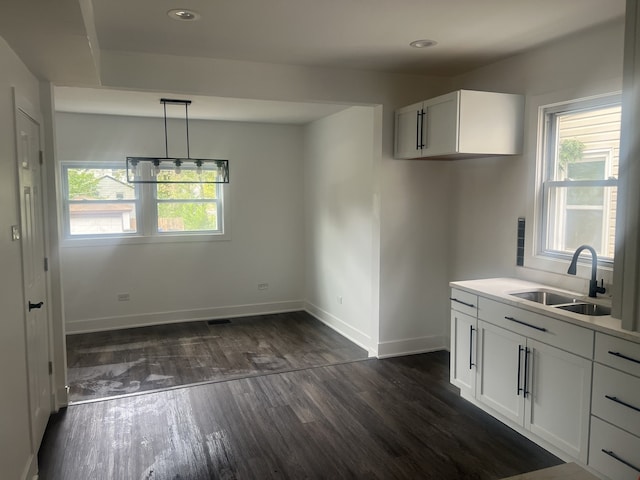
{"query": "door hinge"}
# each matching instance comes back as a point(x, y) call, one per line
point(50, 368)
point(46, 264)
point(41, 157)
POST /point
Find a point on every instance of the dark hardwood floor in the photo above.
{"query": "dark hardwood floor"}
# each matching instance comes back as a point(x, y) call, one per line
point(107, 364)
point(371, 419)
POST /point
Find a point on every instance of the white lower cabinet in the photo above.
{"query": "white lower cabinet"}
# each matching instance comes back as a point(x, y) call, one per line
point(614, 447)
point(565, 386)
point(558, 398)
point(613, 451)
point(536, 386)
point(500, 379)
point(463, 358)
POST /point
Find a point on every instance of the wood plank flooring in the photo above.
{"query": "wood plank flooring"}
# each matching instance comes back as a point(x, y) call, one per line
point(371, 419)
point(106, 364)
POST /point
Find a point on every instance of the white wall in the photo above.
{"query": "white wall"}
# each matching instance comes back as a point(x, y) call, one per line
point(411, 273)
point(488, 195)
point(16, 457)
point(340, 223)
point(195, 280)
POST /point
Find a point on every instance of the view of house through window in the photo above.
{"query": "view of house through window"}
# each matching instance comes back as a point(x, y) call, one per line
point(99, 202)
point(581, 155)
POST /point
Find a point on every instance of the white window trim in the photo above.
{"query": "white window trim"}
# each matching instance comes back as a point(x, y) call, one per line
point(539, 264)
point(147, 228)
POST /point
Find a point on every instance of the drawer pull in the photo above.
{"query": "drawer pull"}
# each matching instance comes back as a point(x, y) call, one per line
point(471, 305)
point(617, 400)
point(618, 354)
point(542, 329)
point(621, 460)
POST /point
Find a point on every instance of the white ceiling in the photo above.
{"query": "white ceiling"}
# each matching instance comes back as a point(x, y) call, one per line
point(61, 41)
point(362, 34)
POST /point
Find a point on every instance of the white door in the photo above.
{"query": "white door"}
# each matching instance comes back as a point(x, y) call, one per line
point(558, 403)
point(463, 356)
point(34, 277)
point(500, 382)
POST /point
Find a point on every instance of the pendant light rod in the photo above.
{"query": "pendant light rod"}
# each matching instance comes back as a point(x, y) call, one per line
point(173, 101)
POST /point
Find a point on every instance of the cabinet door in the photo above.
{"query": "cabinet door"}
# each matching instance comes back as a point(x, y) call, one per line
point(557, 399)
point(408, 135)
point(500, 371)
point(463, 352)
point(440, 122)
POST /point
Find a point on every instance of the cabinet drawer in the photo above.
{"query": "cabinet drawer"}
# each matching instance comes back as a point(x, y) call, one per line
point(613, 452)
point(618, 353)
point(616, 398)
point(464, 302)
point(545, 329)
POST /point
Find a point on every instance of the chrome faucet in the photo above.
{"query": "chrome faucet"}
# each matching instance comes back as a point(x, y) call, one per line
point(593, 283)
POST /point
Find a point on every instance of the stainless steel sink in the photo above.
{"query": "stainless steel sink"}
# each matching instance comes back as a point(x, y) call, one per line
point(591, 309)
point(545, 297)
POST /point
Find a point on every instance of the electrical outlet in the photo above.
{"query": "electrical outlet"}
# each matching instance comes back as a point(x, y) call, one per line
point(263, 286)
point(124, 297)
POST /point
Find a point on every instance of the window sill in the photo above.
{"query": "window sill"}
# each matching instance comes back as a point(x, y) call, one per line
point(142, 240)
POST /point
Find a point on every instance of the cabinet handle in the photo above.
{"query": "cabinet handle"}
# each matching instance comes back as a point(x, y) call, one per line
point(518, 390)
point(471, 329)
point(418, 116)
point(621, 460)
point(542, 329)
point(617, 400)
point(471, 305)
point(618, 354)
point(525, 391)
point(424, 114)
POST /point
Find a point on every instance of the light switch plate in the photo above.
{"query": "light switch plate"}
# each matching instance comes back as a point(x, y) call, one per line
point(15, 233)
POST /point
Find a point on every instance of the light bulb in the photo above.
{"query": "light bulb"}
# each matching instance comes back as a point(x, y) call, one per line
point(178, 169)
point(199, 167)
point(156, 167)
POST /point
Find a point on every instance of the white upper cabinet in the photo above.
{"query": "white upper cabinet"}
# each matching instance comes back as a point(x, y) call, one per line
point(460, 124)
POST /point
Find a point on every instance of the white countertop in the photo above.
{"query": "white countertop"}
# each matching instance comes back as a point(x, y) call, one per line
point(501, 288)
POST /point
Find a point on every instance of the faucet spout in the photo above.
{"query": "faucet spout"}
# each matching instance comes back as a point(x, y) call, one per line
point(593, 283)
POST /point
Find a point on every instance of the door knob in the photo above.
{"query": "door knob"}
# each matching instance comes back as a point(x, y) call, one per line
point(35, 305)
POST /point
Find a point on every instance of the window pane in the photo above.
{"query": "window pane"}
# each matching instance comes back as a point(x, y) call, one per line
point(97, 201)
point(186, 174)
point(578, 215)
point(584, 227)
point(186, 191)
point(187, 216)
point(102, 218)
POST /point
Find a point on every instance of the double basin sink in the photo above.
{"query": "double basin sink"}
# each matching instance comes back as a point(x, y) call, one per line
point(563, 302)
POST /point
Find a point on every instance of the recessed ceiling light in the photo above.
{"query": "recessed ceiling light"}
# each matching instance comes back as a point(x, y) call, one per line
point(423, 43)
point(183, 14)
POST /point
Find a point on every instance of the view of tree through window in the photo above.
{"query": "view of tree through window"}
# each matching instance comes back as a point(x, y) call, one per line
point(581, 168)
point(186, 206)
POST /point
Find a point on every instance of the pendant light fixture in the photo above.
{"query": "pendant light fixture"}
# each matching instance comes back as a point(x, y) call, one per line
point(176, 170)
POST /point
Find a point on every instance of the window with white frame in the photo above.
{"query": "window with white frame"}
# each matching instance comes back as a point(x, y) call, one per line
point(578, 181)
point(99, 203)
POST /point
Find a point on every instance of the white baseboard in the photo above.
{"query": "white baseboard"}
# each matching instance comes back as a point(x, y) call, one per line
point(343, 328)
point(158, 318)
point(411, 346)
